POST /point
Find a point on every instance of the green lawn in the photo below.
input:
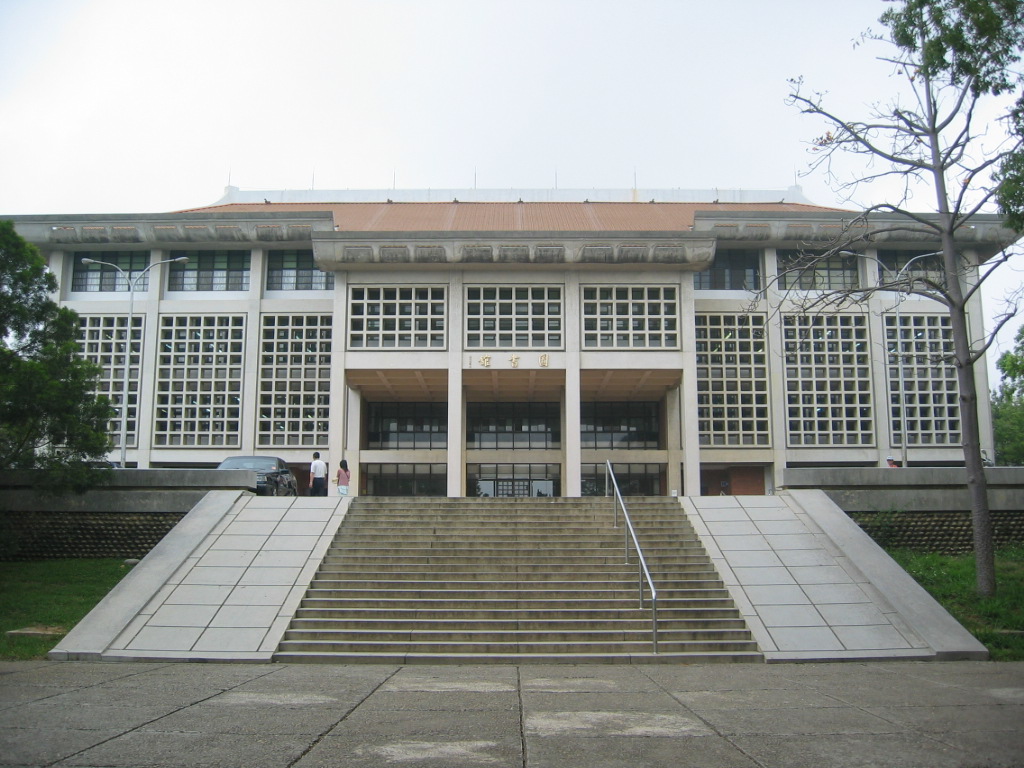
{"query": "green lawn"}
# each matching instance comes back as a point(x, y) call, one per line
point(50, 593)
point(998, 622)
point(58, 593)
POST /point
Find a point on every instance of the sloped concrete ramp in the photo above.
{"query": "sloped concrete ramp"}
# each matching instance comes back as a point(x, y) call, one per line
point(225, 583)
point(814, 587)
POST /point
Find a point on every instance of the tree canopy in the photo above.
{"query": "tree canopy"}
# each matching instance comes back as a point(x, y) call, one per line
point(50, 417)
point(955, 66)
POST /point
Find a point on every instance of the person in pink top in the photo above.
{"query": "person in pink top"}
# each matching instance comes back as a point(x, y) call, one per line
point(343, 477)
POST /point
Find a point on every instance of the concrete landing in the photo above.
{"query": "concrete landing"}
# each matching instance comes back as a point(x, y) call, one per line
point(224, 584)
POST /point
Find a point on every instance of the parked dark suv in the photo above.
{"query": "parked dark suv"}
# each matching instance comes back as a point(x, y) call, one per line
point(273, 478)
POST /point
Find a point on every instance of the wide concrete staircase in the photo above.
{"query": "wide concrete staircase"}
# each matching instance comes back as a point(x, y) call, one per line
point(418, 580)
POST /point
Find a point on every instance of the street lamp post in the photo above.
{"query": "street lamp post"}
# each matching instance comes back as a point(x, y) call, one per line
point(131, 282)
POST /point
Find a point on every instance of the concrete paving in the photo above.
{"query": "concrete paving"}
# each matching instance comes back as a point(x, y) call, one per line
point(903, 714)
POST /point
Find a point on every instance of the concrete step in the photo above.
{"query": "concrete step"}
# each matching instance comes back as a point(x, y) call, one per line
point(703, 611)
point(454, 580)
point(557, 657)
point(530, 647)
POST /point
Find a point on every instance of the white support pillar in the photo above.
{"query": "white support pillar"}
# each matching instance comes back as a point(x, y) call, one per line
point(456, 404)
point(456, 434)
point(685, 428)
point(352, 442)
point(572, 484)
point(673, 441)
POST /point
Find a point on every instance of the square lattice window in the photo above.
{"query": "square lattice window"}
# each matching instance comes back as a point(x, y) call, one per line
point(101, 340)
point(630, 317)
point(828, 380)
point(200, 370)
point(397, 317)
point(295, 380)
point(505, 317)
point(922, 381)
point(732, 380)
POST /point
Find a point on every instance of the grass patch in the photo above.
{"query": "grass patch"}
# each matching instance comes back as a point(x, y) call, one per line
point(55, 594)
point(998, 621)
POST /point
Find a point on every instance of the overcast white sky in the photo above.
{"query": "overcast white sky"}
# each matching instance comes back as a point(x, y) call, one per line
point(143, 106)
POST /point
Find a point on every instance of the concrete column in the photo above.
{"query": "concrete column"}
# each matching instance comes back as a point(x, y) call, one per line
point(456, 400)
point(147, 306)
point(353, 434)
point(571, 482)
point(253, 346)
point(337, 427)
point(685, 427)
point(673, 441)
point(776, 358)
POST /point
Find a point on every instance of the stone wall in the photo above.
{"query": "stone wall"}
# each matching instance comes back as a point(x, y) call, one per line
point(52, 535)
point(950, 533)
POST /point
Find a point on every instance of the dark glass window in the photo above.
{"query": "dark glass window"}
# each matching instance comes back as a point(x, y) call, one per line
point(731, 271)
point(513, 426)
point(513, 480)
point(620, 425)
point(923, 264)
point(293, 270)
point(392, 426)
point(405, 479)
point(101, 277)
point(210, 271)
point(810, 271)
point(633, 479)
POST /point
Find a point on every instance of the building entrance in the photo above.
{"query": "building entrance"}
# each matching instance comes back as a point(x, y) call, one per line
point(513, 480)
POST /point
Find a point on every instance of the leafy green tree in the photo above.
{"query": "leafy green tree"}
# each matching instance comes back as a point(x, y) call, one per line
point(1008, 406)
point(954, 61)
point(50, 417)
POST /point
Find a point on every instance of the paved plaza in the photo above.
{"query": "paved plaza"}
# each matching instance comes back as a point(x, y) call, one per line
point(903, 714)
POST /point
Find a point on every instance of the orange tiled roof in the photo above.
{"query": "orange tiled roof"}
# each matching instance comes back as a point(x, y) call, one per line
point(514, 217)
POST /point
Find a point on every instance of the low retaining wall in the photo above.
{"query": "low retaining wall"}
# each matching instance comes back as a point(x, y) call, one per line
point(920, 507)
point(125, 517)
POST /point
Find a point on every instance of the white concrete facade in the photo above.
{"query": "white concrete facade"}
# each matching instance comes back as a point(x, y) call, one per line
point(743, 384)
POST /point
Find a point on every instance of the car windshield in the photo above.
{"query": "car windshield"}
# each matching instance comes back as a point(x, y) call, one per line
point(249, 462)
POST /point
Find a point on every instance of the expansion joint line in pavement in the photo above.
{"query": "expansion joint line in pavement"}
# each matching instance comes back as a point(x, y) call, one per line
point(707, 723)
point(353, 708)
point(155, 719)
point(522, 717)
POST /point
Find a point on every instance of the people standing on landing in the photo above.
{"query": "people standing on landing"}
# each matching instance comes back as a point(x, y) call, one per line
point(343, 477)
point(318, 473)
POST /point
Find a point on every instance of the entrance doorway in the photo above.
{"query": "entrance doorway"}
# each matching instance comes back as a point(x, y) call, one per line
point(513, 480)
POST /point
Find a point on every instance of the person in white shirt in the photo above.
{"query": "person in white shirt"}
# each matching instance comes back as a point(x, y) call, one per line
point(318, 471)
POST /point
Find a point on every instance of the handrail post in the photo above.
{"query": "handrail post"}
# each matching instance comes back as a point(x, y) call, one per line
point(643, 572)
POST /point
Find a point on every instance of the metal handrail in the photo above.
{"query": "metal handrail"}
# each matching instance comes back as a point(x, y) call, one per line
point(644, 572)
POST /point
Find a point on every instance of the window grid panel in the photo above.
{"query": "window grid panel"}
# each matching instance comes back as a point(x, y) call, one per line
point(620, 425)
point(200, 369)
point(630, 317)
point(210, 271)
point(295, 381)
point(296, 270)
point(828, 380)
point(809, 271)
point(520, 317)
point(930, 398)
point(406, 426)
point(398, 317)
point(101, 340)
point(732, 380)
point(102, 278)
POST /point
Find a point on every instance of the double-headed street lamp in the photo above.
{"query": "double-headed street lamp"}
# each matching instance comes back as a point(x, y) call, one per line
point(131, 282)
